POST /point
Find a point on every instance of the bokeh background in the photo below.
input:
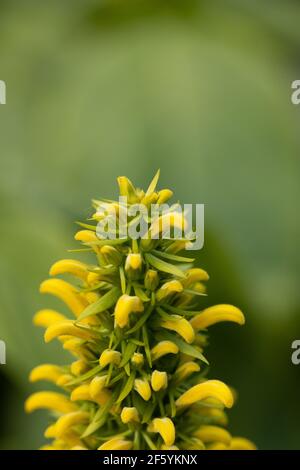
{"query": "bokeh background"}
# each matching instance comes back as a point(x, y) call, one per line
point(200, 89)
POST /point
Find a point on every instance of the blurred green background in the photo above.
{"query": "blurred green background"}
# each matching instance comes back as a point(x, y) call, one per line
point(201, 89)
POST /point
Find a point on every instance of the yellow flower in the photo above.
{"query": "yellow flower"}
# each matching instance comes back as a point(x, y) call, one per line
point(164, 195)
point(165, 427)
point(109, 356)
point(216, 314)
point(143, 388)
point(79, 367)
point(67, 327)
point(69, 420)
point(210, 388)
point(137, 359)
point(125, 306)
point(129, 415)
point(185, 370)
point(209, 433)
point(111, 255)
point(47, 372)
point(69, 266)
point(240, 443)
point(168, 288)
point(181, 326)
point(162, 348)
point(49, 400)
point(116, 444)
point(194, 275)
point(159, 380)
point(65, 292)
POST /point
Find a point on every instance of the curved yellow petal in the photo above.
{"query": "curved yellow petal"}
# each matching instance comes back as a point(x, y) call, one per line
point(164, 195)
point(168, 288)
point(49, 372)
point(47, 317)
point(68, 420)
point(116, 444)
point(82, 393)
point(210, 388)
point(241, 443)
point(185, 370)
point(162, 348)
point(69, 266)
point(159, 380)
point(64, 380)
point(65, 292)
point(86, 236)
point(67, 327)
point(143, 388)
point(79, 367)
point(125, 306)
point(129, 415)
point(165, 427)
point(50, 432)
point(49, 400)
point(216, 314)
point(181, 326)
point(195, 275)
point(109, 356)
point(97, 385)
point(210, 433)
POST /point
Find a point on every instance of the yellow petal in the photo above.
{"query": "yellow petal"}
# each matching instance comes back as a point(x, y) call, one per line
point(47, 372)
point(68, 420)
point(137, 359)
point(185, 370)
point(164, 195)
point(86, 236)
point(47, 317)
point(69, 266)
point(109, 356)
point(194, 275)
point(65, 292)
point(97, 385)
point(162, 348)
point(181, 326)
point(64, 380)
point(50, 432)
point(210, 388)
point(81, 393)
point(168, 288)
point(133, 261)
point(49, 400)
point(216, 314)
point(125, 306)
point(116, 444)
point(240, 443)
point(159, 380)
point(143, 388)
point(165, 427)
point(111, 255)
point(79, 367)
point(210, 433)
point(127, 190)
point(67, 327)
point(129, 415)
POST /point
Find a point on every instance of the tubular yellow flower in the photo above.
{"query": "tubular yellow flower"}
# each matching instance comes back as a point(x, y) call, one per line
point(129, 415)
point(185, 370)
point(50, 432)
point(79, 367)
point(194, 275)
point(137, 359)
point(82, 393)
point(69, 266)
point(164, 195)
point(47, 317)
point(181, 326)
point(97, 385)
point(133, 261)
point(143, 388)
point(159, 380)
point(125, 306)
point(110, 357)
point(216, 314)
point(75, 346)
point(240, 443)
point(47, 372)
point(116, 444)
point(65, 422)
point(165, 427)
point(208, 433)
point(49, 400)
point(66, 292)
point(168, 288)
point(210, 388)
point(67, 327)
point(111, 255)
point(162, 348)
point(64, 380)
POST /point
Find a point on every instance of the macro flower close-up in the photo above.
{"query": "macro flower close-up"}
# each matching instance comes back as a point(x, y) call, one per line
point(136, 334)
